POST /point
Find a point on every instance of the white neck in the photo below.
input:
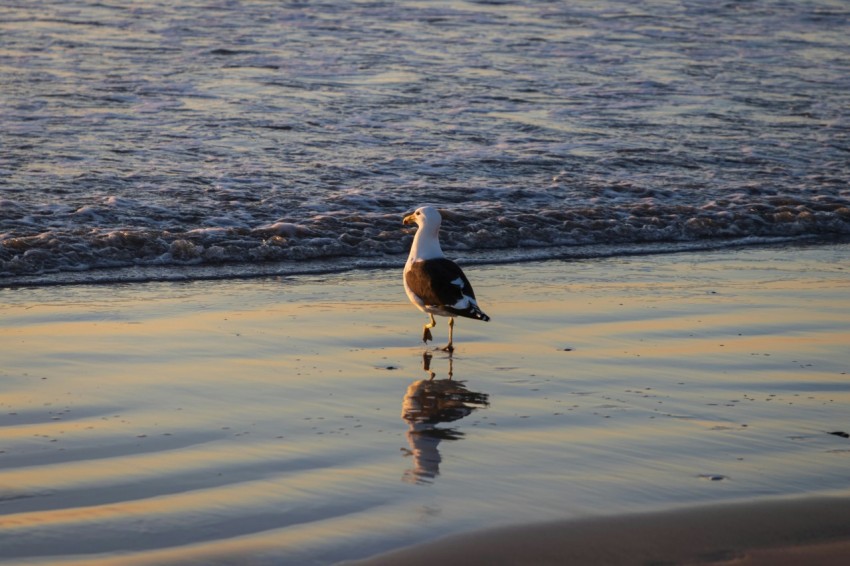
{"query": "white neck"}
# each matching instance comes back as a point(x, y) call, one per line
point(426, 245)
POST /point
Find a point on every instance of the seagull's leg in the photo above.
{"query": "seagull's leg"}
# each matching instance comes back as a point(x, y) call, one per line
point(426, 330)
point(449, 346)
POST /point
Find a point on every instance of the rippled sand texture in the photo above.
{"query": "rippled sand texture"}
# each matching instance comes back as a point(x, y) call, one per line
point(287, 421)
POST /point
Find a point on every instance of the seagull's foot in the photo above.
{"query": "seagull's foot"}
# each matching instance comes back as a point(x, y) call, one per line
point(426, 335)
point(448, 348)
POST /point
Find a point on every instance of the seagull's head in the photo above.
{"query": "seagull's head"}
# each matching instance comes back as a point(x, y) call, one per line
point(426, 217)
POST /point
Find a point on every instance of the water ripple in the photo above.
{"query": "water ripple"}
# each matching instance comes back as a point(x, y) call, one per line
point(244, 133)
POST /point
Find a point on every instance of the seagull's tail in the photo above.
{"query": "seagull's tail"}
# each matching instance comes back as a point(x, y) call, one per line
point(470, 311)
point(479, 314)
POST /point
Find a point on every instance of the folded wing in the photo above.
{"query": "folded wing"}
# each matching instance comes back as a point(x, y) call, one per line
point(441, 285)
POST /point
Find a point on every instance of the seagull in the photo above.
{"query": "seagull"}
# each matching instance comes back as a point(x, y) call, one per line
point(433, 283)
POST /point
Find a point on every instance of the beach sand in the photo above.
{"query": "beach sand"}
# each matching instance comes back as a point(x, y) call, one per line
point(291, 420)
point(799, 532)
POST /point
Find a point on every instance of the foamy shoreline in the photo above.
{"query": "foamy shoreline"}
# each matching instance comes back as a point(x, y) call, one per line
point(263, 421)
point(172, 271)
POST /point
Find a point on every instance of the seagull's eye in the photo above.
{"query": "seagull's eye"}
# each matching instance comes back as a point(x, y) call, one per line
point(418, 213)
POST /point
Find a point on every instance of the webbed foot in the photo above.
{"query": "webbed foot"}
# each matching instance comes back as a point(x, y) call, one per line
point(426, 335)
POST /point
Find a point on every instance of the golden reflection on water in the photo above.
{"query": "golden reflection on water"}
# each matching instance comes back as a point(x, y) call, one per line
point(652, 377)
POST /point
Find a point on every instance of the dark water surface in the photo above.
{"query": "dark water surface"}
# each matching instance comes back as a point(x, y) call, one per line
point(232, 134)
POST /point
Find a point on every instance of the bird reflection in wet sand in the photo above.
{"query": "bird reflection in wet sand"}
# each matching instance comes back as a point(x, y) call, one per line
point(427, 403)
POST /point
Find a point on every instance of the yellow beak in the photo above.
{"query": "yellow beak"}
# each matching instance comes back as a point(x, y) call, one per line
point(409, 219)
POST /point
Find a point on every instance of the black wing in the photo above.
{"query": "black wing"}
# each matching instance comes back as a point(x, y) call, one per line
point(440, 282)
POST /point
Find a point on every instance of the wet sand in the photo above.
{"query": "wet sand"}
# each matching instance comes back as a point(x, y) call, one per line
point(291, 421)
point(799, 532)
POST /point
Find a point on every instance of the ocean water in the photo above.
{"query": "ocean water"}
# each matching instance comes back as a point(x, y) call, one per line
point(151, 140)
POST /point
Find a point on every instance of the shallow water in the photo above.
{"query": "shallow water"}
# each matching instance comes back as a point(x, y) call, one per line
point(290, 421)
point(235, 133)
